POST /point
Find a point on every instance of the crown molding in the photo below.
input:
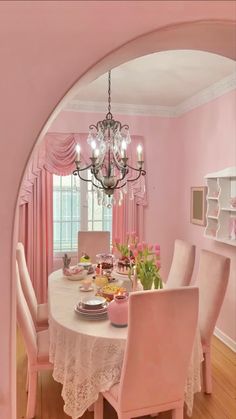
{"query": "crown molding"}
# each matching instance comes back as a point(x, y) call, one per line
point(212, 92)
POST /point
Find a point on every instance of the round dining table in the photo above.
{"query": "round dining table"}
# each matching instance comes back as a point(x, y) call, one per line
point(87, 354)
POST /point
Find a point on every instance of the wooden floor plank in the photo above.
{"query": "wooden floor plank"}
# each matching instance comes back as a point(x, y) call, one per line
point(220, 405)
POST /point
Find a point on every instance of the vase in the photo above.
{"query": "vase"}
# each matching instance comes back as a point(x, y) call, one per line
point(118, 311)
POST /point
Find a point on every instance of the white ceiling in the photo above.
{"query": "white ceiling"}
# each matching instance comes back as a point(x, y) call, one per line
point(162, 79)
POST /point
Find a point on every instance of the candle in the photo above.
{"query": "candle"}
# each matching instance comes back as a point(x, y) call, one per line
point(123, 149)
point(93, 145)
point(78, 152)
point(96, 152)
point(139, 152)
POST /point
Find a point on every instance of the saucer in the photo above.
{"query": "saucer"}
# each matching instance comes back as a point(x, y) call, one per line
point(81, 288)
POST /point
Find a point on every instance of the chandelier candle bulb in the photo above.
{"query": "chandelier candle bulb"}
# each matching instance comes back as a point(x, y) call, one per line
point(78, 152)
point(139, 152)
point(123, 149)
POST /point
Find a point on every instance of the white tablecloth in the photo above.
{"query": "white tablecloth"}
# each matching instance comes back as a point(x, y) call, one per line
point(88, 355)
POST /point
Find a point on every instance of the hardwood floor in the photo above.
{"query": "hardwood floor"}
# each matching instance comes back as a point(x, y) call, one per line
point(220, 405)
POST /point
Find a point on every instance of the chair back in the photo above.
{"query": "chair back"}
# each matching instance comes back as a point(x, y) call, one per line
point(25, 321)
point(26, 282)
point(182, 265)
point(161, 331)
point(212, 280)
point(93, 242)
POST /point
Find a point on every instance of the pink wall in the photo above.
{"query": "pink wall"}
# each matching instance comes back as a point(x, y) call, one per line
point(207, 141)
point(45, 47)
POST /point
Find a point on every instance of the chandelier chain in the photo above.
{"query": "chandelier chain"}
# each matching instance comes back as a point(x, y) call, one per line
point(109, 91)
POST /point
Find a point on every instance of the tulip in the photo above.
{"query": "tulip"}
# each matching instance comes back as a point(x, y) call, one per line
point(140, 247)
point(132, 246)
point(117, 240)
point(135, 253)
point(157, 252)
point(150, 247)
point(158, 264)
point(157, 247)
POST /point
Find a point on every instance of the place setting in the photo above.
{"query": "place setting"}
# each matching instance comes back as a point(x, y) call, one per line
point(93, 308)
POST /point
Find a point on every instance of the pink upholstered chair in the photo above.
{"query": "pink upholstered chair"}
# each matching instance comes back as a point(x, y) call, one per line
point(36, 343)
point(212, 279)
point(93, 242)
point(39, 312)
point(162, 324)
point(182, 265)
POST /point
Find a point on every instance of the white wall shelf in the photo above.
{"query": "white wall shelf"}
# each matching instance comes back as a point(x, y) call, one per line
point(221, 216)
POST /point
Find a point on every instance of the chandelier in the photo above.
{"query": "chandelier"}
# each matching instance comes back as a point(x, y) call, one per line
point(109, 165)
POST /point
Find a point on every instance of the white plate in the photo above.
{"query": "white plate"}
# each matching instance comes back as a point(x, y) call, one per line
point(93, 302)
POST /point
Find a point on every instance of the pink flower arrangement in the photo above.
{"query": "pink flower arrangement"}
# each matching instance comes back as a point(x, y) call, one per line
point(146, 258)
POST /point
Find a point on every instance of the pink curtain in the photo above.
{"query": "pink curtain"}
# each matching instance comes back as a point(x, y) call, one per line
point(36, 232)
point(128, 216)
point(55, 155)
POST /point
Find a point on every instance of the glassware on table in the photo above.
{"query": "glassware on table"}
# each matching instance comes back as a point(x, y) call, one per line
point(105, 261)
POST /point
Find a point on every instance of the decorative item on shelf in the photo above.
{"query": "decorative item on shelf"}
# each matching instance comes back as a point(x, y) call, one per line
point(118, 310)
point(147, 265)
point(109, 162)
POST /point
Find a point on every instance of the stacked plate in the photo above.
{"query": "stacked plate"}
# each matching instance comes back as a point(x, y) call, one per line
point(93, 308)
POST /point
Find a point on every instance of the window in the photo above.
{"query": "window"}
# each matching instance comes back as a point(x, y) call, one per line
point(75, 208)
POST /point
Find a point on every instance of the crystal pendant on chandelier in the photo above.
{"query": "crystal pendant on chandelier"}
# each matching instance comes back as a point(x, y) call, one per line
point(109, 166)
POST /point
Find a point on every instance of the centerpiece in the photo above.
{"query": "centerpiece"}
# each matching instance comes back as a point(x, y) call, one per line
point(147, 265)
point(140, 261)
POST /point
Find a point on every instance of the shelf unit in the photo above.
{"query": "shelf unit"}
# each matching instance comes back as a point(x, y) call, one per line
point(221, 216)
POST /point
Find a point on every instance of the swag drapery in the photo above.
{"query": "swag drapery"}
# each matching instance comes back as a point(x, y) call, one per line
point(56, 155)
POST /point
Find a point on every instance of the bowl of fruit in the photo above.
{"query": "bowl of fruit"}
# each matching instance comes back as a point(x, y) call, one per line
point(110, 290)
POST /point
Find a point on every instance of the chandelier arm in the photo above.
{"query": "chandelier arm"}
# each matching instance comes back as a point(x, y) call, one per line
point(81, 170)
point(117, 163)
point(141, 172)
point(137, 170)
point(76, 173)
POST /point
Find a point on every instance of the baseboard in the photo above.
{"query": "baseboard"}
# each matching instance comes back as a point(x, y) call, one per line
point(225, 339)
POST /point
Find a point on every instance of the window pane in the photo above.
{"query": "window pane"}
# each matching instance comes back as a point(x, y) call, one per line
point(56, 205)
point(68, 209)
point(97, 225)
point(56, 180)
point(66, 205)
point(66, 235)
point(66, 181)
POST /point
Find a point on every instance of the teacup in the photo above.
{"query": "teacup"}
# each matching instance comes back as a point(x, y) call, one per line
point(87, 283)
